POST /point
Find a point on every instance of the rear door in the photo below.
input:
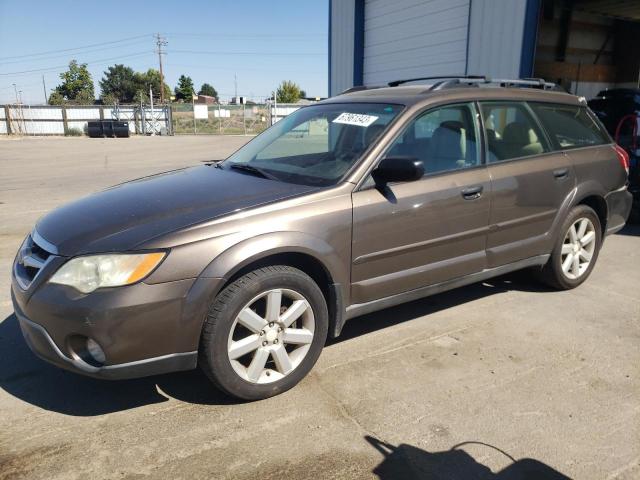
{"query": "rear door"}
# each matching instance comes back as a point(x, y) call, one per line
point(529, 182)
point(414, 234)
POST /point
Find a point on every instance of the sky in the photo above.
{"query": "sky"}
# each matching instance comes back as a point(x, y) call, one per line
point(262, 42)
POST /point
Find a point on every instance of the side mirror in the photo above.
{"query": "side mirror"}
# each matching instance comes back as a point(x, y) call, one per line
point(398, 169)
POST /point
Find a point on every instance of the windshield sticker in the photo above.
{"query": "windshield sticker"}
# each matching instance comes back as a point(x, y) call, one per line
point(357, 119)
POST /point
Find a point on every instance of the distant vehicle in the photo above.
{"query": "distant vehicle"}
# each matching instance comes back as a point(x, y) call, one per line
point(612, 105)
point(619, 110)
point(358, 203)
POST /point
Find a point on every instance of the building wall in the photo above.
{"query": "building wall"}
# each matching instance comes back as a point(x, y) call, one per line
point(418, 38)
point(496, 33)
point(341, 36)
point(409, 38)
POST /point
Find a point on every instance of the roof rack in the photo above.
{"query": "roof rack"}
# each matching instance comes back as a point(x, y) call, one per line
point(357, 88)
point(454, 81)
point(395, 83)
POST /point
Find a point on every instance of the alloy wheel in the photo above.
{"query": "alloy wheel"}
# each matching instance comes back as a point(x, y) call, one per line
point(578, 248)
point(271, 336)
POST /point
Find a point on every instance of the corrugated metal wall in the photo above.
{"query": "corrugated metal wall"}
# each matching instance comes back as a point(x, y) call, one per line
point(341, 38)
point(414, 38)
point(495, 37)
point(409, 38)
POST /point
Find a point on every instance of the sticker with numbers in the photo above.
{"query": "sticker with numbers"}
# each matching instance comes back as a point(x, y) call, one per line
point(357, 119)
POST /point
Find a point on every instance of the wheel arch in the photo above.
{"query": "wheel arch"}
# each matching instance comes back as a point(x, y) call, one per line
point(309, 254)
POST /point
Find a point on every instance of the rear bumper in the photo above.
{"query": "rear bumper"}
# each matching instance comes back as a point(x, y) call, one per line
point(618, 207)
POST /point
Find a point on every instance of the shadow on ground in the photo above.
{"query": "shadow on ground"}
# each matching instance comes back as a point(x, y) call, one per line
point(412, 463)
point(630, 229)
point(32, 380)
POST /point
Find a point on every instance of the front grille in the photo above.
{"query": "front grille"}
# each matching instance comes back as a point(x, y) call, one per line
point(30, 261)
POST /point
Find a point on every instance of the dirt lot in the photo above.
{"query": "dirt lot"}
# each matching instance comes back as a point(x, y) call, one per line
point(553, 377)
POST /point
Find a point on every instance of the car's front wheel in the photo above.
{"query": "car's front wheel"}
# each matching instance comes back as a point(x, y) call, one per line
point(576, 250)
point(264, 332)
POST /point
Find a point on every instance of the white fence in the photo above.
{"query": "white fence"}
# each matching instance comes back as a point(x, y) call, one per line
point(62, 120)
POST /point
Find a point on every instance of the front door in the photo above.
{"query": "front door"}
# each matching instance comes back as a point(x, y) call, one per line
point(425, 232)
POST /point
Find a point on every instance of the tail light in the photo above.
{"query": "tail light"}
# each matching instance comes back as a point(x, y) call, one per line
point(623, 157)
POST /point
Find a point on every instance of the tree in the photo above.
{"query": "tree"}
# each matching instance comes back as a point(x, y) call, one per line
point(76, 86)
point(207, 89)
point(119, 84)
point(151, 78)
point(288, 92)
point(184, 90)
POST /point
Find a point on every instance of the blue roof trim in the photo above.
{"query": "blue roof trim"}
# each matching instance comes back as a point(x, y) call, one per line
point(358, 43)
point(329, 92)
point(466, 62)
point(529, 38)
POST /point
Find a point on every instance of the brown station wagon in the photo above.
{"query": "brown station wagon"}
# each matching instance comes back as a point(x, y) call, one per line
point(369, 199)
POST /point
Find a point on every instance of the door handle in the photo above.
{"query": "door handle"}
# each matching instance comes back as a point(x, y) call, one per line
point(561, 173)
point(472, 193)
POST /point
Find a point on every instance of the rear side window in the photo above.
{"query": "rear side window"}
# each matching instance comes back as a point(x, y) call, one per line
point(512, 132)
point(570, 126)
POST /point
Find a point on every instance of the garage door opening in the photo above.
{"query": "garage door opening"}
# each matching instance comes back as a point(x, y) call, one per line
point(587, 46)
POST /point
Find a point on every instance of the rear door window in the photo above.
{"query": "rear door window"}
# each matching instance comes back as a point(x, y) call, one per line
point(512, 132)
point(570, 126)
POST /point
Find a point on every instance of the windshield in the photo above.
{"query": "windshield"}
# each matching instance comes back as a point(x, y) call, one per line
point(315, 145)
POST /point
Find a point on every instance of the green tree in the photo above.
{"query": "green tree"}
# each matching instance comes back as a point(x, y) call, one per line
point(184, 91)
point(151, 78)
point(76, 86)
point(288, 92)
point(119, 84)
point(56, 98)
point(207, 89)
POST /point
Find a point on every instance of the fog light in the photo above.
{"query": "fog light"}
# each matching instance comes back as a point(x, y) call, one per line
point(95, 351)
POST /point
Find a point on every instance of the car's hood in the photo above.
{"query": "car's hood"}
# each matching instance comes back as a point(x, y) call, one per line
point(122, 217)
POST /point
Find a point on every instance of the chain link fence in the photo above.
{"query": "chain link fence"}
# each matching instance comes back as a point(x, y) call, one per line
point(217, 119)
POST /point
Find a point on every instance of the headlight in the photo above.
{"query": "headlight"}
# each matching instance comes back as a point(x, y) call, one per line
point(96, 271)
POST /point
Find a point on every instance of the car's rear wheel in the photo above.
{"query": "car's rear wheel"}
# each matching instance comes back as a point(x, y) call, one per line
point(264, 332)
point(576, 250)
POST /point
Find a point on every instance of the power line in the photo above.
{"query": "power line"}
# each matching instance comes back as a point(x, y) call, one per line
point(93, 62)
point(139, 42)
point(76, 48)
point(262, 54)
point(242, 35)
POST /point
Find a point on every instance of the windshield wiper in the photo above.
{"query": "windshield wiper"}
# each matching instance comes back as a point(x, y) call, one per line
point(254, 170)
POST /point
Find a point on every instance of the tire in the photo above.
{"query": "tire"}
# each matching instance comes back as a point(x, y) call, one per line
point(553, 273)
point(237, 322)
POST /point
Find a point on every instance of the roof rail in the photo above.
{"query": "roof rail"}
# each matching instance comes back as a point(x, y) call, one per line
point(395, 83)
point(457, 81)
point(357, 88)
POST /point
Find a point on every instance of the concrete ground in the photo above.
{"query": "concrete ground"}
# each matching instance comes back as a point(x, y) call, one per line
point(492, 380)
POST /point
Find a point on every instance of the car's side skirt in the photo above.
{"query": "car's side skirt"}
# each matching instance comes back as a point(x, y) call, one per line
point(382, 303)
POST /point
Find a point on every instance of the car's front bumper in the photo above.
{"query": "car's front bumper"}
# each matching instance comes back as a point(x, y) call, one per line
point(143, 329)
point(619, 204)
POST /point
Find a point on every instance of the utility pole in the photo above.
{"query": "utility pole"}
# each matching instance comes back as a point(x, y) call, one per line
point(161, 42)
point(235, 82)
point(15, 89)
point(44, 87)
